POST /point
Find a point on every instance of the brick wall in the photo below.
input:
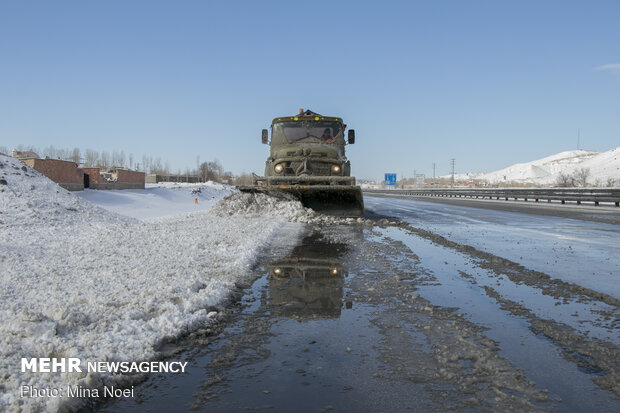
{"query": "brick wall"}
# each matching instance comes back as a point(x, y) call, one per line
point(123, 179)
point(130, 177)
point(94, 175)
point(70, 177)
point(64, 173)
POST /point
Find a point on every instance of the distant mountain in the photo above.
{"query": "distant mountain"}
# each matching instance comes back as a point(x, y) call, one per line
point(602, 165)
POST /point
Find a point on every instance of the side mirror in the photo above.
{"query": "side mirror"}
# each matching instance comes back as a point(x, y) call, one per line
point(351, 136)
point(265, 136)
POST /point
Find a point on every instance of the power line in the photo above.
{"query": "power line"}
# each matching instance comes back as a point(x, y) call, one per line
point(452, 179)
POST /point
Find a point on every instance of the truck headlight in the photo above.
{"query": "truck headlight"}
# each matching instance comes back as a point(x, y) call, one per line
point(278, 168)
point(335, 169)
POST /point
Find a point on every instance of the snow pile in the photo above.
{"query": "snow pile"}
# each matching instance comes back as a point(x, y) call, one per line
point(79, 281)
point(22, 201)
point(261, 204)
point(280, 205)
point(603, 166)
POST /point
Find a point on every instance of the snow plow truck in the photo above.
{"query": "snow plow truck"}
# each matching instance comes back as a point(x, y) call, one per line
point(307, 162)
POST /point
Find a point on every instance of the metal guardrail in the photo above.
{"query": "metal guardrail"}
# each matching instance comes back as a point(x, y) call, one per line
point(563, 195)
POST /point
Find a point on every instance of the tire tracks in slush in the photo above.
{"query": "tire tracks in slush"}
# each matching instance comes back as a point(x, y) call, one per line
point(414, 321)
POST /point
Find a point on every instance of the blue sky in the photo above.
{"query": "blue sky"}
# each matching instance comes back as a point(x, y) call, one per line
point(490, 83)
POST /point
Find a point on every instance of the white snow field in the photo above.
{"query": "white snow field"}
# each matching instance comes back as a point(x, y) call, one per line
point(109, 282)
point(602, 165)
point(158, 200)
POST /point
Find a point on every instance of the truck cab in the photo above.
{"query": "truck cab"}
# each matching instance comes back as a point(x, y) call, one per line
point(308, 148)
point(307, 160)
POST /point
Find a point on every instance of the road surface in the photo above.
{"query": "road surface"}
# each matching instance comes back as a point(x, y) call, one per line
point(423, 307)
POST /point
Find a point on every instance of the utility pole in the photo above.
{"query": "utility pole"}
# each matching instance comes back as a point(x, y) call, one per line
point(452, 180)
point(578, 136)
point(433, 172)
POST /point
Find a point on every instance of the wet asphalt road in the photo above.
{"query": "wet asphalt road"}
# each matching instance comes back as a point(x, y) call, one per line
point(399, 314)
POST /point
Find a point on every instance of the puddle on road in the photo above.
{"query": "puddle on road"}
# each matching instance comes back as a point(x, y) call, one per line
point(297, 343)
point(356, 318)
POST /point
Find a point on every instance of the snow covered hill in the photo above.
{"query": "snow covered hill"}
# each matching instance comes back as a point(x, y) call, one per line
point(111, 282)
point(603, 167)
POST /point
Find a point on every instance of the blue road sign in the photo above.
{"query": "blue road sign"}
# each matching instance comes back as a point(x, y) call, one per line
point(390, 179)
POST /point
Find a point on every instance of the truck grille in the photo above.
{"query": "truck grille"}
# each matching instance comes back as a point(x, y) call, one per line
point(312, 168)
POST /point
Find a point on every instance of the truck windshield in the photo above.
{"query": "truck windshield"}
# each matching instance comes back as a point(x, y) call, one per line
point(325, 132)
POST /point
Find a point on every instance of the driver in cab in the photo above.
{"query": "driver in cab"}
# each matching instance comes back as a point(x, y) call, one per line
point(327, 135)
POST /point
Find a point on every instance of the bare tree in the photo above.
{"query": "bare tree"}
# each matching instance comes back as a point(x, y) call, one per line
point(611, 182)
point(203, 171)
point(50, 152)
point(75, 155)
point(211, 171)
point(114, 158)
point(104, 160)
point(118, 159)
point(227, 178)
point(581, 176)
point(564, 180)
point(54, 153)
point(156, 167)
point(65, 154)
point(91, 157)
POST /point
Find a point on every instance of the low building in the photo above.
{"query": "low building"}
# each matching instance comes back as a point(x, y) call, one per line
point(116, 178)
point(23, 154)
point(68, 175)
point(92, 177)
point(156, 178)
point(64, 173)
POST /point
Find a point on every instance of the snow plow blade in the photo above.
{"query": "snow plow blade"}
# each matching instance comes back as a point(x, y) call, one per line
point(335, 200)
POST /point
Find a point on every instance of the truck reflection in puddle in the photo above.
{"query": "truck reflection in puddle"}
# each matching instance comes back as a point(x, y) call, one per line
point(263, 357)
point(309, 282)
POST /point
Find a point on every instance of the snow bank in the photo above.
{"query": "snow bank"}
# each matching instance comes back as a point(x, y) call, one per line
point(80, 281)
point(258, 204)
point(28, 198)
point(261, 204)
